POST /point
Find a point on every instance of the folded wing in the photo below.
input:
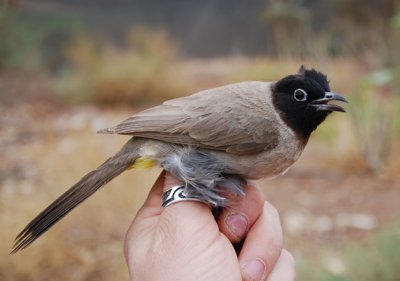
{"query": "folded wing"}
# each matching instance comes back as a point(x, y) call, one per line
point(233, 118)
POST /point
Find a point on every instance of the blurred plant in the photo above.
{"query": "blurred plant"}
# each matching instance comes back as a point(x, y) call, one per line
point(25, 37)
point(141, 72)
point(353, 28)
point(18, 48)
point(376, 111)
point(289, 23)
point(364, 30)
point(375, 116)
point(377, 259)
point(396, 20)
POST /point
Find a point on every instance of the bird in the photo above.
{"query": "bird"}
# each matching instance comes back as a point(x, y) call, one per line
point(212, 141)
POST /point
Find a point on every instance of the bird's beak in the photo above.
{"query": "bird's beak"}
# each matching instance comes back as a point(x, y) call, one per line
point(323, 105)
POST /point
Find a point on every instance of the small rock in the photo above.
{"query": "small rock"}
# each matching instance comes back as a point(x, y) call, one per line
point(335, 265)
point(295, 222)
point(357, 221)
point(322, 224)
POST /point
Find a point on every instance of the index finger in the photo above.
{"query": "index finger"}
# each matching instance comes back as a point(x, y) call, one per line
point(235, 220)
point(263, 245)
point(152, 205)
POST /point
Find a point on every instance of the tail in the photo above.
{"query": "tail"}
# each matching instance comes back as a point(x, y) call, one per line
point(79, 192)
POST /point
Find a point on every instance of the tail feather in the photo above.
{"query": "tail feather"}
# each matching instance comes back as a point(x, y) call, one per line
point(78, 193)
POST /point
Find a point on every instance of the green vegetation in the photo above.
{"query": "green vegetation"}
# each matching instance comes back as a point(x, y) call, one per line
point(377, 259)
point(375, 114)
point(33, 42)
point(362, 29)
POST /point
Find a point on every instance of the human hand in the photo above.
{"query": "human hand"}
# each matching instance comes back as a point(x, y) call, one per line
point(185, 242)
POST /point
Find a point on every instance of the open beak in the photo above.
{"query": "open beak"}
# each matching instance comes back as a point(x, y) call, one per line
point(323, 105)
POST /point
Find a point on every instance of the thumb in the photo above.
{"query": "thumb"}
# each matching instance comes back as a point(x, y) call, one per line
point(185, 217)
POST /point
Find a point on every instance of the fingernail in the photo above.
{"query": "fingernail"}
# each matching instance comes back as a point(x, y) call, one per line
point(254, 270)
point(237, 224)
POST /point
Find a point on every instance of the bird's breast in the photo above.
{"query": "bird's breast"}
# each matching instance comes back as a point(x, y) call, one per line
point(271, 162)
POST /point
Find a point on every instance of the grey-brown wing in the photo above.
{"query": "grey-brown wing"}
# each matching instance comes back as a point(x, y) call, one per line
point(232, 118)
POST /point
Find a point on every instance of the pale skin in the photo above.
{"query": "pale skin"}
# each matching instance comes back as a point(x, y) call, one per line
point(185, 242)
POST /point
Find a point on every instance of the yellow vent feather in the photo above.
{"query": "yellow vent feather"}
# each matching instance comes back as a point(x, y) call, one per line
point(142, 162)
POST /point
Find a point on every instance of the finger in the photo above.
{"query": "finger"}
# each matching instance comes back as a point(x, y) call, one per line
point(152, 205)
point(147, 216)
point(182, 207)
point(263, 245)
point(235, 220)
point(164, 181)
point(284, 269)
point(185, 218)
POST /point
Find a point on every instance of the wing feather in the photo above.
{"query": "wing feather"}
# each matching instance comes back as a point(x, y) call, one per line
point(234, 118)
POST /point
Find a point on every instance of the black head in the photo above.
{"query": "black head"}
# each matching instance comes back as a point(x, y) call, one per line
point(302, 100)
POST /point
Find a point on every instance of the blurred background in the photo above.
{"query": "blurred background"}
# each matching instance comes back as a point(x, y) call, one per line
point(71, 67)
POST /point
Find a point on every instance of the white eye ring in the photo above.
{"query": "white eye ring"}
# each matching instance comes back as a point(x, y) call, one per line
point(300, 95)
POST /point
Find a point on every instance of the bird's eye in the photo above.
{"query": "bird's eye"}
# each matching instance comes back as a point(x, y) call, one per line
point(300, 95)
